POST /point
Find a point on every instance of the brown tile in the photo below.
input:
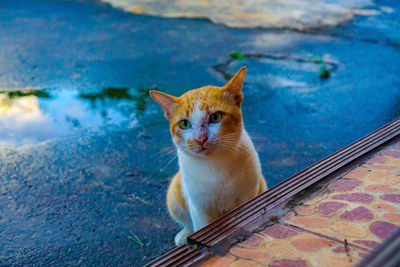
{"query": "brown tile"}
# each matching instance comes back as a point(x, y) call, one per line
point(339, 249)
point(245, 263)
point(390, 216)
point(377, 159)
point(303, 211)
point(354, 197)
point(382, 229)
point(358, 214)
point(317, 222)
point(384, 206)
point(250, 253)
point(393, 198)
point(284, 246)
point(310, 244)
point(357, 173)
point(279, 232)
point(255, 240)
point(383, 167)
point(383, 178)
point(379, 188)
point(348, 229)
point(218, 261)
point(281, 249)
point(344, 185)
point(334, 261)
point(330, 207)
point(394, 153)
point(394, 161)
point(288, 263)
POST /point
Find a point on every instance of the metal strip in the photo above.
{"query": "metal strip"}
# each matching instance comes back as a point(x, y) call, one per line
point(179, 254)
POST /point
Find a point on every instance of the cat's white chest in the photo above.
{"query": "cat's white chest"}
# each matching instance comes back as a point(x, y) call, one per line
point(202, 185)
point(201, 180)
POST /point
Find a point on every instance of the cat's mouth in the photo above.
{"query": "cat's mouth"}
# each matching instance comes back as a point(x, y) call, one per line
point(200, 151)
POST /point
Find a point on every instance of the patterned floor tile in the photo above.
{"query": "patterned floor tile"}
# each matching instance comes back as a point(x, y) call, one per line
point(362, 207)
point(280, 245)
point(336, 226)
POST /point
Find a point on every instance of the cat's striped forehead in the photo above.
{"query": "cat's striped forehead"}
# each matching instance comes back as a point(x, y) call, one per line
point(204, 99)
point(207, 99)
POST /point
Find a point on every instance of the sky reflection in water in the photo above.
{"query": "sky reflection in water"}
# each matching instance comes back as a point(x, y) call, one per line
point(33, 116)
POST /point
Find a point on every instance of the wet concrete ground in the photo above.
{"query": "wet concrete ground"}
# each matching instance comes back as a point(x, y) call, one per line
point(81, 169)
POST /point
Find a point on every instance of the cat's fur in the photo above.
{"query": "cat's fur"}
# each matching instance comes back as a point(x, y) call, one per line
point(219, 168)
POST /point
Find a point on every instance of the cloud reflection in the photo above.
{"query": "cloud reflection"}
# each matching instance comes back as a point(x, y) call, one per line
point(33, 116)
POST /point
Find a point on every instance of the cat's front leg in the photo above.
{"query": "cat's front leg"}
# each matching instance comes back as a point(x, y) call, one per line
point(181, 237)
point(199, 218)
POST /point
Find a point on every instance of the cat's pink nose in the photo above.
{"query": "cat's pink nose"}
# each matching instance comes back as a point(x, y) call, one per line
point(201, 139)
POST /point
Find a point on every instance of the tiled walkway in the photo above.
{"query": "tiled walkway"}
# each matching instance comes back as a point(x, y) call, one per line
point(336, 226)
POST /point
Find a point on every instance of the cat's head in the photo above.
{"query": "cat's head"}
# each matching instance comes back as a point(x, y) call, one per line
point(205, 120)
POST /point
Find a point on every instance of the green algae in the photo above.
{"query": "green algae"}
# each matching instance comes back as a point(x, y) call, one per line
point(324, 73)
point(27, 92)
point(237, 55)
point(137, 96)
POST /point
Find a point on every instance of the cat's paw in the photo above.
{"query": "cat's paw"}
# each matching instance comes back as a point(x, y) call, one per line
point(181, 237)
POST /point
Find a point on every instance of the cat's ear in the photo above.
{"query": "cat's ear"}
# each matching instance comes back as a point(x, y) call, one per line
point(234, 86)
point(167, 102)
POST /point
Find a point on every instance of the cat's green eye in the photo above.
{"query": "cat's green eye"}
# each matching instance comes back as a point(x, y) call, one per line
point(184, 124)
point(216, 117)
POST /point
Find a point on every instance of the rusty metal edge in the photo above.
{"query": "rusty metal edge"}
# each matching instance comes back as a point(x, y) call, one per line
point(234, 220)
point(386, 254)
point(224, 226)
point(173, 256)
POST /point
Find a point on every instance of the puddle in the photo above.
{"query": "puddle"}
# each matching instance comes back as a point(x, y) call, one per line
point(33, 116)
point(280, 72)
point(293, 14)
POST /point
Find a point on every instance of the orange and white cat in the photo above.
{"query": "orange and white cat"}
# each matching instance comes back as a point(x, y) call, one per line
point(219, 168)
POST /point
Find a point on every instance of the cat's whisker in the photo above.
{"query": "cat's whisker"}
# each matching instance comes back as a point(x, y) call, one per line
point(165, 155)
point(170, 161)
point(162, 167)
point(164, 158)
point(164, 150)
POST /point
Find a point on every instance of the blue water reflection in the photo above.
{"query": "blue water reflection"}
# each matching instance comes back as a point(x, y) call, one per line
point(32, 116)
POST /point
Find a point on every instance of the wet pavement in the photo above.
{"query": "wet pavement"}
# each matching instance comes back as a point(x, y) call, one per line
point(83, 150)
